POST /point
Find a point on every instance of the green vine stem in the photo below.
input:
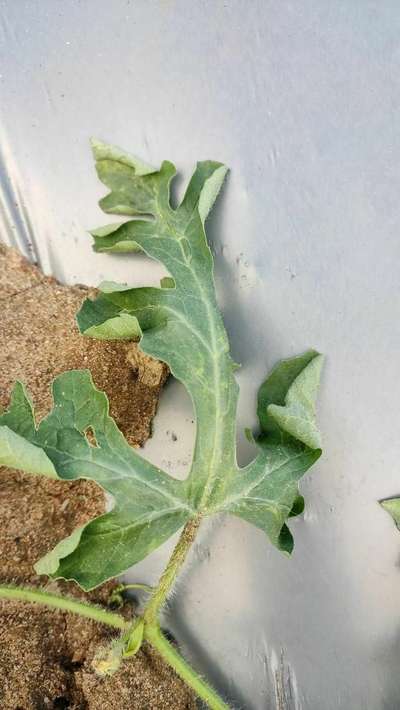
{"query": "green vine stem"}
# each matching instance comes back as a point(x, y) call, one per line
point(153, 633)
point(90, 611)
point(168, 577)
point(156, 638)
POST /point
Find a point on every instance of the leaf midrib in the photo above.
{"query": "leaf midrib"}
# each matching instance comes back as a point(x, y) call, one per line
point(214, 356)
point(145, 518)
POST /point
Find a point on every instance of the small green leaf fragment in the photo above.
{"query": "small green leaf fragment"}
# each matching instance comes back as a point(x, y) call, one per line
point(249, 435)
point(108, 230)
point(122, 315)
point(285, 541)
point(392, 506)
point(203, 188)
point(210, 191)
point(167, 282)
point(16, 452)
point(18, 447)
point(298, 507)
point(128, 246)
point(124, 237)
point(112, 286)
point(103, 320)
point(123, 327)
point(106, 151)
point(134, 639)
point(297, 416)
point(275, 388)
point(49, 564)
point(19, 416)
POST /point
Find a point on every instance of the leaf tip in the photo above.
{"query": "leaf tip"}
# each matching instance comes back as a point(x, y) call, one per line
point(392, 506)
point(100, 149)
point(285, 541)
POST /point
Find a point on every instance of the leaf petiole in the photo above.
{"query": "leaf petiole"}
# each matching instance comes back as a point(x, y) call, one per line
point(168, 577)
point(90, 611)
point(116, 596)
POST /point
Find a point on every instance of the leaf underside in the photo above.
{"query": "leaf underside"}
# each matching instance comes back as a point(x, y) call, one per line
point(178, 323)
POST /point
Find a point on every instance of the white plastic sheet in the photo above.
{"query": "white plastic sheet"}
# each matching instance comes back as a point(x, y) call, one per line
point(301, 100)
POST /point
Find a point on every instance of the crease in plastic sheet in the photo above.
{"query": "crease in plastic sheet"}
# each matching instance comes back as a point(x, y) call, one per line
point(16, 227)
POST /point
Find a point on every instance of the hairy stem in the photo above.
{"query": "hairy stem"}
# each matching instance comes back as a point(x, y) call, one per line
point(90, 611)
point(168, 577)
point(155, 637)
point(153, 633)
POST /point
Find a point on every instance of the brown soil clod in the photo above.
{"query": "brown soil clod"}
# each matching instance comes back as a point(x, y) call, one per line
point(45, 655)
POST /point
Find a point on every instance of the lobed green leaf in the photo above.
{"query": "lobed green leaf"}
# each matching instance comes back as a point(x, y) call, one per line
point(178, 323)
point(149, 506)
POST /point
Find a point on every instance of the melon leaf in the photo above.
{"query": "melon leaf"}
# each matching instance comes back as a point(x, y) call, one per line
point(180, 324)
